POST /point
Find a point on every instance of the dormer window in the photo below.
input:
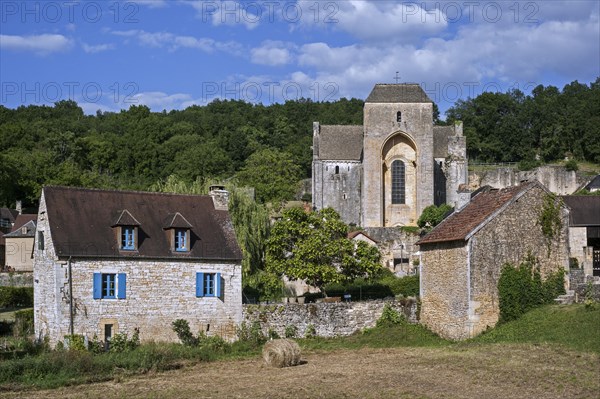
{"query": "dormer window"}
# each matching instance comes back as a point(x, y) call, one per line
point(182, 240)
point(127, 230)
point(178, 230)
point(128, 234)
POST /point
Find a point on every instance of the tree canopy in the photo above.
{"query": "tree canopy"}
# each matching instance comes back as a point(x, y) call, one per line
point(314, 247)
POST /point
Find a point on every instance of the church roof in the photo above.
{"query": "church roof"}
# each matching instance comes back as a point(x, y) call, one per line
point(397, 93)
point(483, 207)
point(341, 143)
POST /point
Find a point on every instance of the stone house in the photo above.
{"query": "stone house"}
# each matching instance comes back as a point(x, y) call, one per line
point(584, 231)
point(19, 244)
point(462, 257)
point(108, 262)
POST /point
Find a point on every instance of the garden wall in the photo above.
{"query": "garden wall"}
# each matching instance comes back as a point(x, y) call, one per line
point(11, 279)
point(328, 319)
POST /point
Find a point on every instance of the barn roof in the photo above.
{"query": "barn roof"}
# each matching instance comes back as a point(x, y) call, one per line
point(83, 221)
point(483, 206)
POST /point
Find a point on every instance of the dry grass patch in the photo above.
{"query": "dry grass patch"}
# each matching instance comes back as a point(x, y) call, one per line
point(477, 371)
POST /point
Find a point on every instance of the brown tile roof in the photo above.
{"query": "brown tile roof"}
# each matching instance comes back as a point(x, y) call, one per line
point(354, 234)
point(397, 93)
point(81, 219)
point(483, 206)
point(23, 219)
point(585, 209)
point(341, 142)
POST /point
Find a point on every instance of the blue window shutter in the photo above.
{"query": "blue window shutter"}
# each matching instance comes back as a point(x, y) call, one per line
point(218, 285)
point(97, 285)
point(121, 285)
point(199, 284)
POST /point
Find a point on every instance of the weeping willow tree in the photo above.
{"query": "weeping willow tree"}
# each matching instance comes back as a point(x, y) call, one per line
point(251, 223)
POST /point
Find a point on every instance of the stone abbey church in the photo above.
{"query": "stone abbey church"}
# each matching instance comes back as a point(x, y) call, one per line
point(384, 173)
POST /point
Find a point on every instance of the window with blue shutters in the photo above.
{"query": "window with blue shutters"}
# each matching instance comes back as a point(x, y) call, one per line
point(208, 284)
point(110, 285)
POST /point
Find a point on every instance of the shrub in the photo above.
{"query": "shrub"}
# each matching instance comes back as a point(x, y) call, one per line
point(389, 317)
point(433, 215)
point(121, 343)
point(182, 329)
point(310, 332)
point(272, 334)
point(252, 334)
point(14, 297)
point(23, 323)
point(291, 331)
point(528, 164)
point(521, 288)
point(406, 286)
point(75, 342)
point(571, 165)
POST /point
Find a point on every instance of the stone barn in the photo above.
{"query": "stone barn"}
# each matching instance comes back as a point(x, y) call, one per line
point(462, 257)
point(108, 262)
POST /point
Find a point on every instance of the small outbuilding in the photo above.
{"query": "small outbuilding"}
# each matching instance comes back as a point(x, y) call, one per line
point(462, 257)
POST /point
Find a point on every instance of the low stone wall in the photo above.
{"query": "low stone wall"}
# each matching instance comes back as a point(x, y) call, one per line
point(328, 319)
point(13, 279)
point(578, 282)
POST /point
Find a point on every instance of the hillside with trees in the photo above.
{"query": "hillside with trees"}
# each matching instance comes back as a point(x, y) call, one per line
point(267, 147)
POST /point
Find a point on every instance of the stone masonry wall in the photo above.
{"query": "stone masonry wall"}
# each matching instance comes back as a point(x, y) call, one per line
point(157, 293)
point(340, 191)
point(328, 319)
point(444, 289)
point(509, 238)
point(23, 279)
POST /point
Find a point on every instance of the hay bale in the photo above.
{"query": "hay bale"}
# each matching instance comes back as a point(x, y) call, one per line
point(281, 353)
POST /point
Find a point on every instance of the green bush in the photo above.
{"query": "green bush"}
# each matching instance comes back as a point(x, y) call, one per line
point(521, 288)
point(182, 329)
point(433, 215)
point(571, 165)
point(389, 317)
point(251, 334)
point(310, 332)
point(23, 326)
point(291, 331)
point(405, 286)
point(14, 297)
point(528, 164)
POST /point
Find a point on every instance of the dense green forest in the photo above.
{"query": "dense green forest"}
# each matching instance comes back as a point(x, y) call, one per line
point(267, 147)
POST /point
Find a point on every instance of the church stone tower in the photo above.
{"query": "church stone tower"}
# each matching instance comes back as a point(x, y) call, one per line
point(384, 173)
point(398, 155)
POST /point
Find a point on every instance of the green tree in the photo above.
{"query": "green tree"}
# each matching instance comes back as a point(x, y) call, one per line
point(314, 247)
point(272, 173)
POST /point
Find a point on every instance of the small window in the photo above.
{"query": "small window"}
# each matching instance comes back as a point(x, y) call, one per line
point(110, 285)
point(5, 223)
point(181, 240)
point(399, 116)
point(208, 284)
point(128, 238)
point(337, 170)
point(40, 240)
point(108, 333)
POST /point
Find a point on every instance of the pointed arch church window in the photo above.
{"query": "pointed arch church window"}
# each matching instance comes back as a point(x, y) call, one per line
point(398, 182)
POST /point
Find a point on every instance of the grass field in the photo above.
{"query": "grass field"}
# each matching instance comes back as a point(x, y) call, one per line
point(551, 352)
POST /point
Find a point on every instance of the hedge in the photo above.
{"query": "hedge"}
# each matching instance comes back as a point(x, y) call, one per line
point(15, 297)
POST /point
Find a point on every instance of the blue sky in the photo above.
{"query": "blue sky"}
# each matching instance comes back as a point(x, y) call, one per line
point(109, 55)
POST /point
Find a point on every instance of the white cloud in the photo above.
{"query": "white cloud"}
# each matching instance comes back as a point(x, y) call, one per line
point(174, 42)
point(272, 53)
point(158, 100)
point(38, 44)
point(397, 22)
point(97, 48)
point(151, 3)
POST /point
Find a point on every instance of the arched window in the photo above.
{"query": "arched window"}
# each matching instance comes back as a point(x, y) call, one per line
point(398, 182)
point(337, 170)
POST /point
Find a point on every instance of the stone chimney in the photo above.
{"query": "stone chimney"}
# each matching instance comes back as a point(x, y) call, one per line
point(19, 207)
point(220, 197)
